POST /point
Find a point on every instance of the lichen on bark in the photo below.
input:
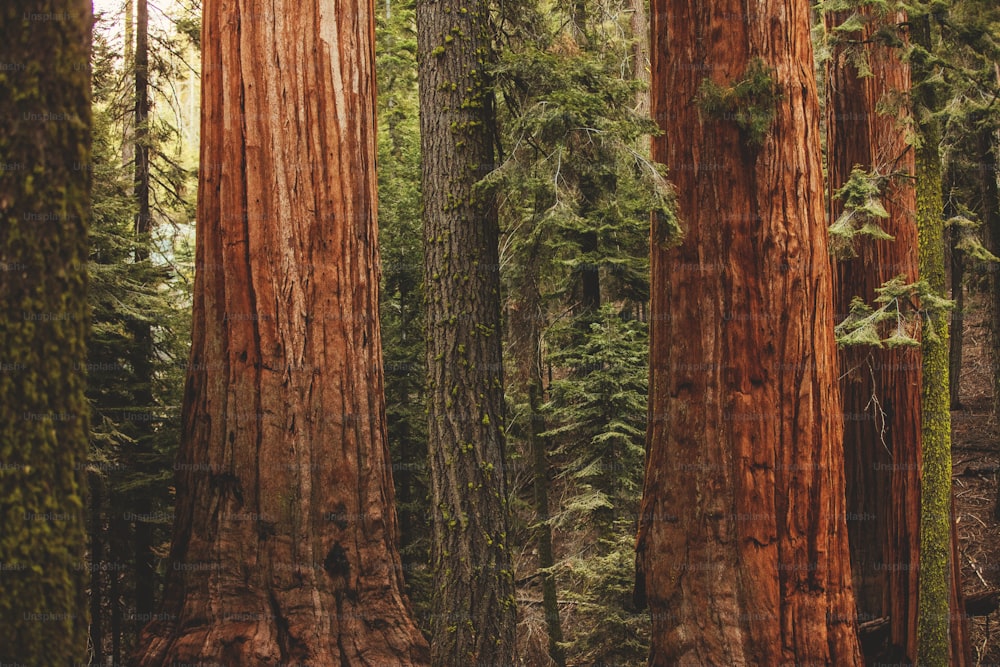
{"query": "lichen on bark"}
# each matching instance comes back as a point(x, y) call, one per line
point(44, 209)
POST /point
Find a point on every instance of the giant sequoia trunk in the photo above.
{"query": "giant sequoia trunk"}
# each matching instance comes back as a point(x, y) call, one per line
point(44, 208)
point(880, 388)
point(473, 614)
point(742, 545)
point(284, 538)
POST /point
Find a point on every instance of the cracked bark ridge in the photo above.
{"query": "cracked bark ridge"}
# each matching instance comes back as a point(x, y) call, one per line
point(742, 552)
point(473, 611)
point(880, 388)
point(284, 538)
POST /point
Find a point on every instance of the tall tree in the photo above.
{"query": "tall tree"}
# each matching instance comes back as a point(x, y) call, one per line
point(742, 548)
point(45, 146)
point(526, 318)
point(866, 118)
point(143, 350)
point(575, 213)
point(138, 345)
point(473, 613)
point(284, 537)
point(956, 278)
point(942, 632)
point(142, 217)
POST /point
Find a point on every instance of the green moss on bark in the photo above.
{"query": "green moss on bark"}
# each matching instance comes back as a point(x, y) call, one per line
point(935, 524)
point(933, 630)
point(750, 102)
point(44, 206)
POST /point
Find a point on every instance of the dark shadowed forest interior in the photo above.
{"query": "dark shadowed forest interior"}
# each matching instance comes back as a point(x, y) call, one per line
point(499, 332)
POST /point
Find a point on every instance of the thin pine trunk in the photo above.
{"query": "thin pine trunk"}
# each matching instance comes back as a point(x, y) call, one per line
point(957, 279)
point(530, 323)
point(546, 558)
point(640, 53)
point(142, 347)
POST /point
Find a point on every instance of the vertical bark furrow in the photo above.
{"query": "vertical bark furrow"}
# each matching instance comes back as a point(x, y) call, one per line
point(743, 497)
point(880, 387)
point(473, 616)
point(284, 543)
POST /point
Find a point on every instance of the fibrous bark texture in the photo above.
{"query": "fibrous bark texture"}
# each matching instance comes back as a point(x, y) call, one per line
point(742, 546)
point(473, 613)
point(45, 145)
point(880, 387)
point(284, 538)
point(942, 629)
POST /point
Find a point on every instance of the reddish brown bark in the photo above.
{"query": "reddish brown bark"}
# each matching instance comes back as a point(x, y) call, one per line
point(640, 53)
point(880, 388)
point(283, 547)
point(958, 627)
point(742, 545)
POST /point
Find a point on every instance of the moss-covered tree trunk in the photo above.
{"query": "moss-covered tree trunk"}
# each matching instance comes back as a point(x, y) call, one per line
point(880, 388)
point(284, 536)
point(473, 610)
point(44, 210)
point(742, 549)
point(935, 640)
point(942, 631)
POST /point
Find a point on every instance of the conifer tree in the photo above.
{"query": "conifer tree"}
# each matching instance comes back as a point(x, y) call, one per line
point(871, 200)
point(473, 615)
point(742, 550)
point(285, 526)
point(45, 144)
point(942, 634)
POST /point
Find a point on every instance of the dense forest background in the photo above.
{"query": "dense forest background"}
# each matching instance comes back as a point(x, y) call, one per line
point(575, 186)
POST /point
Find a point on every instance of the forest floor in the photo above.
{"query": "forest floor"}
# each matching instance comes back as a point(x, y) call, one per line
point(975, 465)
